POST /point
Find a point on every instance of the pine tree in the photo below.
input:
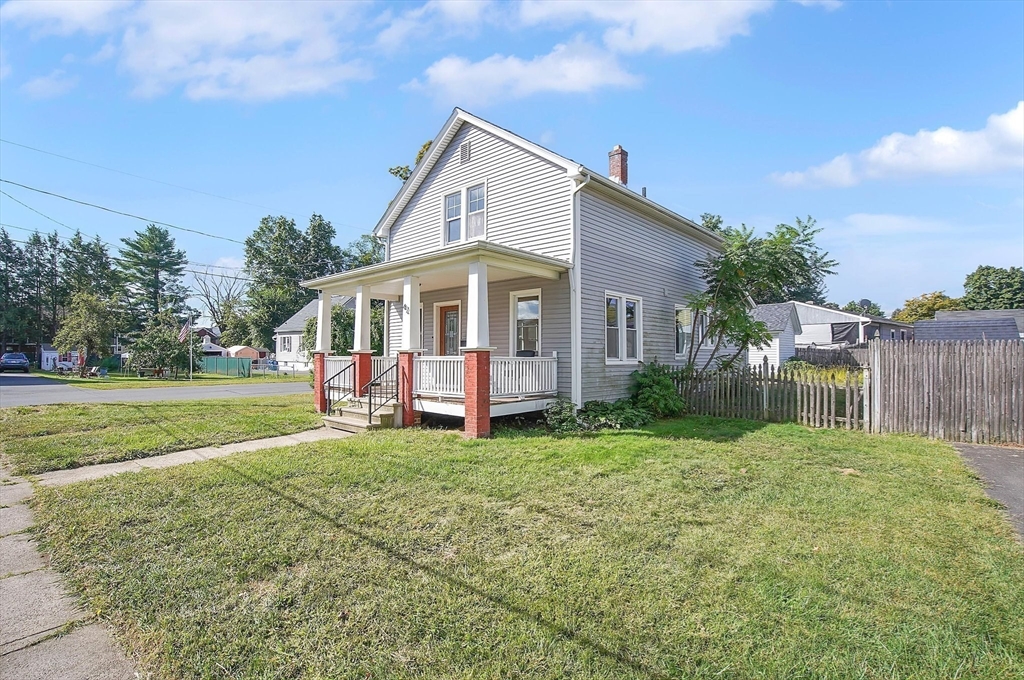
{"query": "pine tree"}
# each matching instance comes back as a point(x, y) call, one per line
point(152, 269)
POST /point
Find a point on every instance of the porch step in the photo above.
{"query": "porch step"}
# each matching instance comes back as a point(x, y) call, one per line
point(385, 416)
point(350, 424)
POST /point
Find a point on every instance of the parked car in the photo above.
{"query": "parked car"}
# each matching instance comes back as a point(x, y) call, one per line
point(14, 361)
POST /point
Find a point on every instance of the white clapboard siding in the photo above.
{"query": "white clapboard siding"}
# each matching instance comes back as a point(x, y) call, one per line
point(629, 253)
point(528, 199)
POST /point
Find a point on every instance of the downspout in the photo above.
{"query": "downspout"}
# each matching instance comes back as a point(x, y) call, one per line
point(581, 180)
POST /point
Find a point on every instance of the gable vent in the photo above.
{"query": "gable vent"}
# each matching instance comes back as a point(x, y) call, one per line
point(464, 152)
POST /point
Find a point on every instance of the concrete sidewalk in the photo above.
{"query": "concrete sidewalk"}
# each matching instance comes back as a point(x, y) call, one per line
point(44, 633)
point(82, 474)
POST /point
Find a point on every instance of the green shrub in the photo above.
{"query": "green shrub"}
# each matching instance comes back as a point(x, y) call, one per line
point(562, 417)
point(654, 390)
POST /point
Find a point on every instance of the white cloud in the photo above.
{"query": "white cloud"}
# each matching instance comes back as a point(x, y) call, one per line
point(433, 20)
point(827, 4)
point(574, 67)
point(881, 224)
point(229, 262)
point(53, 85)
point(249, 51)
point(104, 53)
point(997, 147)
point(63, 17)
point(652, 24)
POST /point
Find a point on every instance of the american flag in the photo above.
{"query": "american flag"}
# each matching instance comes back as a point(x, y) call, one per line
point(185, 330)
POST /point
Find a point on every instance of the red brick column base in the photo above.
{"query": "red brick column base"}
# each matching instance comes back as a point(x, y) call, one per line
point(478, 393)
point(405, 384)
point(319, 393)
point(363, 362)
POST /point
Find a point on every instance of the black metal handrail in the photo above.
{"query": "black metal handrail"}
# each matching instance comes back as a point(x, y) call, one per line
point(386, 383)
point(327, 384)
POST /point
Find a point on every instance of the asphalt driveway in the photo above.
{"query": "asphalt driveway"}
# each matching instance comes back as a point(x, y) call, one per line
point(20, 389)
point(1002, 469)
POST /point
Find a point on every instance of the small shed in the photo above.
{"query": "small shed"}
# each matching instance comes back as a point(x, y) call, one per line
point(783, 322)
point(243, 352)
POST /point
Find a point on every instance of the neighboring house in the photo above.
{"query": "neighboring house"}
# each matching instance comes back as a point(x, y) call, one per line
point(984, 315)
point(207, 334)
point(243, 352)
point(1004, 328)
point(825, 327)
point(783, 322)
point(514, 275)
point(48, 357)
point(288, 336)
point(211, 349)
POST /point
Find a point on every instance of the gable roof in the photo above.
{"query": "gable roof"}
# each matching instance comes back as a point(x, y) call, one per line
point(777, 316)
point(572, 170)
point(972, 314)
point(297, 322)
point(1004, 328)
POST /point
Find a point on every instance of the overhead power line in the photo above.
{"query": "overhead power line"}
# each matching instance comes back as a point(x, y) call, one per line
point(120, 212)
point(148, 179)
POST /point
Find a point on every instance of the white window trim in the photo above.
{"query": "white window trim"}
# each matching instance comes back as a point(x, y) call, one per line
point(684, 356)
point(513, 299)
point(434, 344)
point(463, 191)
point(623, 297)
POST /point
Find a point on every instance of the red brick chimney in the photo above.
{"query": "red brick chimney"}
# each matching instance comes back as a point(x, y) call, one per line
point(618, 170)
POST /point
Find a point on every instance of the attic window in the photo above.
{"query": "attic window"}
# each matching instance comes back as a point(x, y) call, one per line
point(464, 152)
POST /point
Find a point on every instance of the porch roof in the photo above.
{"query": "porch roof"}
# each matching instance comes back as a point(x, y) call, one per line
point(439, 269)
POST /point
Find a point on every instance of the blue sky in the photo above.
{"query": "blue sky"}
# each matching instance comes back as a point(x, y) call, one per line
point(898, 126)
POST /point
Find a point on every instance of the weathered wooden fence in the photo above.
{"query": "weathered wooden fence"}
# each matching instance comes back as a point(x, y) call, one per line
point(958, 391)
point(766, 393)
point(846, 356)
point(969, 391)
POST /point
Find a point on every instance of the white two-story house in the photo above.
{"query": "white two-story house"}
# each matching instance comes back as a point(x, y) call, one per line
point(502, 255)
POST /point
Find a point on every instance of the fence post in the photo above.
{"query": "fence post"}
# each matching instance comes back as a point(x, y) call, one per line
point(764, 389)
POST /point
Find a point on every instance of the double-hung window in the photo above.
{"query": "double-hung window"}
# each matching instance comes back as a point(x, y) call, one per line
point(623, 328)
point(525, 307)
point(465, 214)
point(453, 217)
point(286, 343)
point(684, 331)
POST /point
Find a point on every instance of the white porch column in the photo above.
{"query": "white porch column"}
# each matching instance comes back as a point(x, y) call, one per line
point(478, 334)
point(411, 313)
point(323, 323)
point(361, 341)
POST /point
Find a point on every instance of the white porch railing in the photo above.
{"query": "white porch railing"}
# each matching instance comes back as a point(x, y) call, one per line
point(515, 376)
point(381, 364)
point(438, 376)
point(332, 366)
point(510, 376)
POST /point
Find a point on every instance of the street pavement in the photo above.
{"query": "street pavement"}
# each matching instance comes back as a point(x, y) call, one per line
point(21, 389)
point(1002, 470)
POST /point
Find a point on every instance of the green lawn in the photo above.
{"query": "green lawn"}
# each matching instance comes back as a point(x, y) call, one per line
point(700, 548)
point(58, 436)
point(116, 381)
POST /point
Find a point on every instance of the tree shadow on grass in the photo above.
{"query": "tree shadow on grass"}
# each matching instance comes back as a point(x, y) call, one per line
point(688, 427)
point(297, 498)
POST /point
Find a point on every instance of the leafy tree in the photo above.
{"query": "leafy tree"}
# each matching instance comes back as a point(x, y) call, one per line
point(343, 326)
point(86, 327)
point(863, 306)
point(790, 250)
point(362, 252)
point(152, 268)
point(994, 288)
point(925, 306)
point(277, 257)
point(403, 172)
point(157, 345)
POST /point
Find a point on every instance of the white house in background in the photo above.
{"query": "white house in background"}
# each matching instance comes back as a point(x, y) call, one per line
point(211, 349)
point(288, 336)
point(513, 276)
point(783, 322)
point(826, 327)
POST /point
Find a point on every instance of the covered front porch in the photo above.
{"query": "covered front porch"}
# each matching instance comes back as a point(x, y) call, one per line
point(473, 331)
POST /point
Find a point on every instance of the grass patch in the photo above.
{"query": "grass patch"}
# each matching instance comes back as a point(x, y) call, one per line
point(38, 439)
point(116, 381)
point(698, 549)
